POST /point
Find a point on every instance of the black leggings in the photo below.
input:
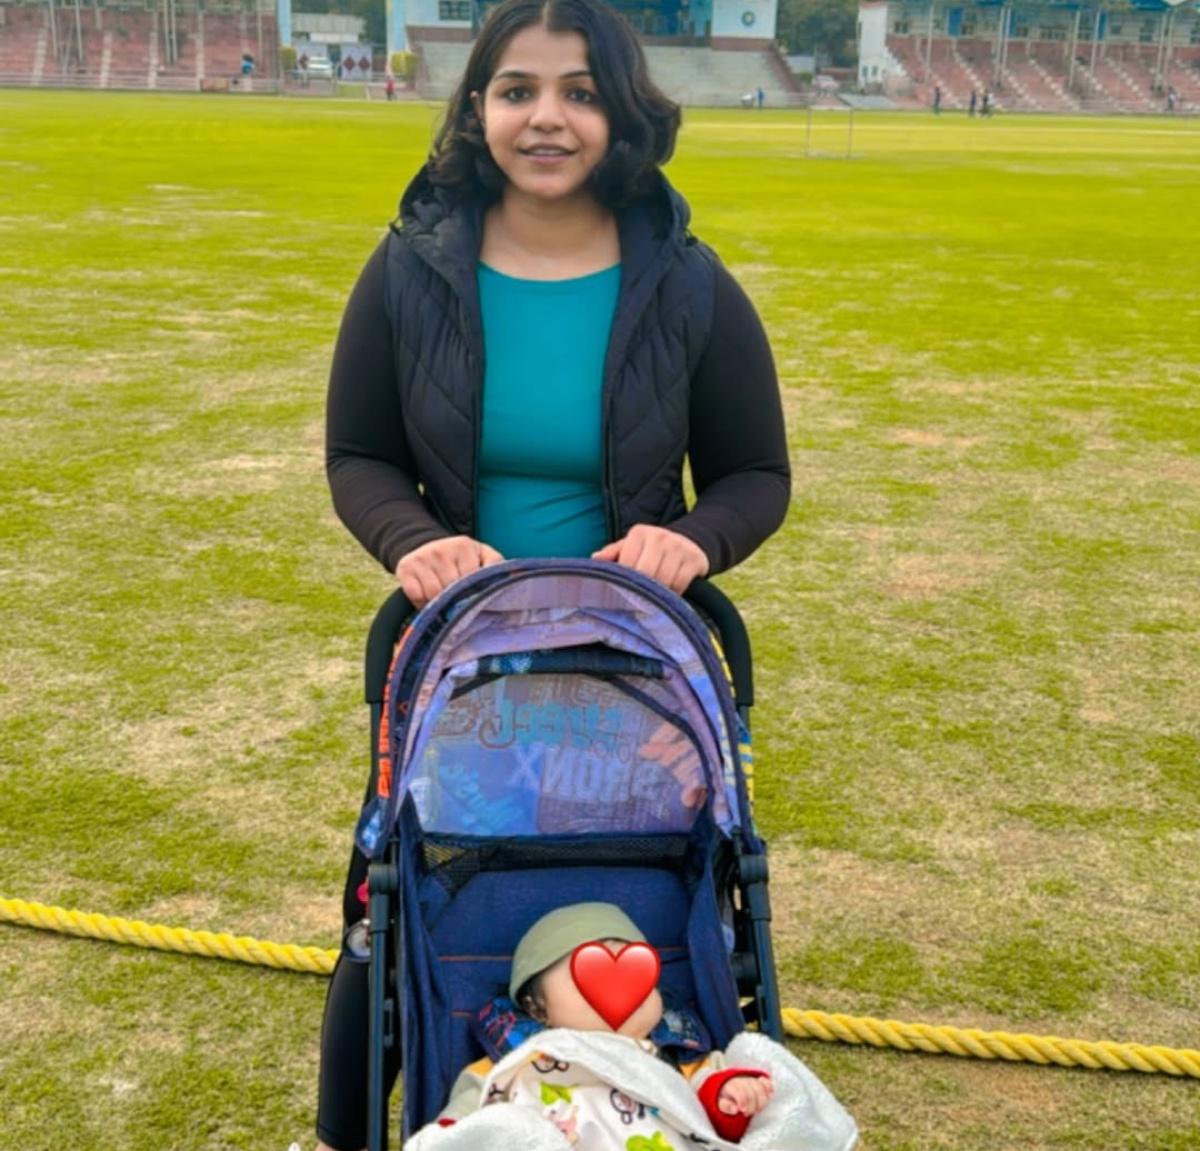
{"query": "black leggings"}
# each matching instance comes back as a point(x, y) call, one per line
point(342, 1095)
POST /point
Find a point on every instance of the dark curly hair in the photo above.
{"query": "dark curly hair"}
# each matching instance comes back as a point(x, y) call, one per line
point(642, 122)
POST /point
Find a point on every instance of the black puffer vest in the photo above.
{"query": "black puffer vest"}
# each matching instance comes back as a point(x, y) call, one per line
point(659, 333)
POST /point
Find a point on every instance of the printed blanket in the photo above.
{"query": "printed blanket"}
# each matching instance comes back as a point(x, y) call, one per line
point(802, 1115)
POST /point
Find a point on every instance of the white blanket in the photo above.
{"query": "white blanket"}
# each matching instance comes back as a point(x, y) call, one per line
point(802, 1115)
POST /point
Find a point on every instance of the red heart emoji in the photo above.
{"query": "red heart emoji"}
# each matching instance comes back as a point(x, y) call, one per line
point(615, 985)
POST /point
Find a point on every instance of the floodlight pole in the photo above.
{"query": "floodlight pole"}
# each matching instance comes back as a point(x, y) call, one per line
point(999, 38)
point(1095, 48)
point(1074, 49)
point(928, 45)
point(1163, 56)
point(258, 21)
point(78, 32)
point(165, 30)
point(1004, 39)
point(1158, 52)
point(1170, 46)
point(54, 35)
point(1001, 47)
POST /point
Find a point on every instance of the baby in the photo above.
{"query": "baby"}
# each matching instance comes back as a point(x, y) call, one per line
point(578, 1082)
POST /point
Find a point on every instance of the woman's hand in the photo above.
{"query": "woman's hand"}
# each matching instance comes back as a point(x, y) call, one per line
point(427, 570)
point(664, 555)
point(745, 1094)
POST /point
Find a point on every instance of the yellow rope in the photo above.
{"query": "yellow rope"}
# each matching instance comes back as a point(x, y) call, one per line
point(990, 1044)
point(242, 948)
point(799, 1024)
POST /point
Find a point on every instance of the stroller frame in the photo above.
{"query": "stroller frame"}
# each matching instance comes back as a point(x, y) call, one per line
point(745, 867)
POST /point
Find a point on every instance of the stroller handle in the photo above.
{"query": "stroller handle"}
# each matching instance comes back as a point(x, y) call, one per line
point(714, 604)
point(386, 627)
point(706, 597)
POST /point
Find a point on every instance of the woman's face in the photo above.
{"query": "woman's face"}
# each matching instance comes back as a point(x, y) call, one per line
point(542, 116)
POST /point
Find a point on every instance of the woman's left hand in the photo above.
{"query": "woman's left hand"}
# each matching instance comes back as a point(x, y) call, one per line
point(664, 555)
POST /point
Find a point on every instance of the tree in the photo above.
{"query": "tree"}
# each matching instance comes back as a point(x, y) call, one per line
point(826, 27)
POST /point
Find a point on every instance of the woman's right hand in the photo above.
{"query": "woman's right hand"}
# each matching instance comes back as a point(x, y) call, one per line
point(434, 566)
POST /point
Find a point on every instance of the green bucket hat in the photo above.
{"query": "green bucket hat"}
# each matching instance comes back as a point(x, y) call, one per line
point(559, 932)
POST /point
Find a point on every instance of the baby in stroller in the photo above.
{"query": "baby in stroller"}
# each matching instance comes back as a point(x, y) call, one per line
point(586, 1072)
point(519, 734)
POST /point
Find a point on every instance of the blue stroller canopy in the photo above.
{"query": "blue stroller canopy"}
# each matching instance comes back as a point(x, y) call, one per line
point(557, 697)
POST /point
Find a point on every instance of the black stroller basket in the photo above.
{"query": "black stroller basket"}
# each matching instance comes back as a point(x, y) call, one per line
point(739, 867)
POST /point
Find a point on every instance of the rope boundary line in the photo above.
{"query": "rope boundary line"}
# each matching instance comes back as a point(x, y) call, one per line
point(965, 1043)
point(135, 933)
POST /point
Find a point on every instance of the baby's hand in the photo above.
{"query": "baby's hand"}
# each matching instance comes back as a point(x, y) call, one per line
point(745, 1094)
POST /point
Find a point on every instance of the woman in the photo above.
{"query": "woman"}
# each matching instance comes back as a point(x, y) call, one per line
point(528, 358)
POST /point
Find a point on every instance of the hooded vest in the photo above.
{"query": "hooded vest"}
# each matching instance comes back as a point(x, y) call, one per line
point(659, 333)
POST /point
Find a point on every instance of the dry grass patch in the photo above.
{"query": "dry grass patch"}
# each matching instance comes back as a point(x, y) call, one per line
point(857, 934)
point(222, 724)
point(924, 438)
point(230, 476)
point(924, 577)
point(904, 1102)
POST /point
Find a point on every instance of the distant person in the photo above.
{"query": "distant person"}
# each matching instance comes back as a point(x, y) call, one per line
point(761, 95)
point(1172, 100)
point(389, 86)
point(971, 106)
point(985, 106)
point(937, 99)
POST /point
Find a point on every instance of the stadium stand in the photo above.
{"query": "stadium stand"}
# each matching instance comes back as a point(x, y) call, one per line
point(162, 44)
point(697, 75)
point(439, 64)
point(1126, 56)
point(200, 44)
point(687, 73)
point(1133, 56)
point(1184, 77)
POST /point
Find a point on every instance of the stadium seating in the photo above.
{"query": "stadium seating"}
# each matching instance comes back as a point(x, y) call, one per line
point(119, 46)
point(1184, 76)
point(24, 44)
point(946, 70)
point(1128, 86)
point(121, 43)
point(707, 76)
point(1038, 77)
point(1043, 85)
point(692, 75)
point(440, 64)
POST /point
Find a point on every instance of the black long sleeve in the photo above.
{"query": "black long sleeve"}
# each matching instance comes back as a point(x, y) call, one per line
point(737, 442)
point(367, 458)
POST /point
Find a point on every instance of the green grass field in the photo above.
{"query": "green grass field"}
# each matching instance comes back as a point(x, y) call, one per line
point(977, 638)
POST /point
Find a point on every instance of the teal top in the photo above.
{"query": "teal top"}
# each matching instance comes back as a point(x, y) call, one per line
point(540, 456)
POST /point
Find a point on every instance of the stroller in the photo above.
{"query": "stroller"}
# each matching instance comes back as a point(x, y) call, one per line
point(548, 724)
